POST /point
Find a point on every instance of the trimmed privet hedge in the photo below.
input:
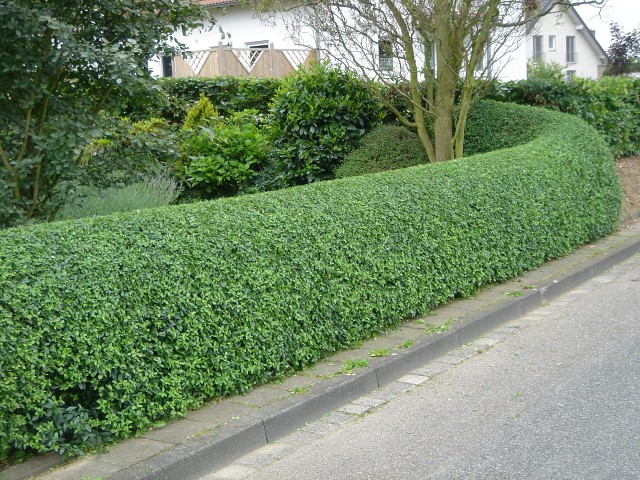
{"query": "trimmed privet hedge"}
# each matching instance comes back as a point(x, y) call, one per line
point(109, 323)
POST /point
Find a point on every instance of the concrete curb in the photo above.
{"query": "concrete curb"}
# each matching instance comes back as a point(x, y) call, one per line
point(222, 444)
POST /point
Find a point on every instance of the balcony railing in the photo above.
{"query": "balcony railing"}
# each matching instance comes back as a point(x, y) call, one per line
point(572, 57)
point(242, 62)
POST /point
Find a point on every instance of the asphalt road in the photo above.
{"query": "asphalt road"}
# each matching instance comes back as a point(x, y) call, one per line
point(558, 399)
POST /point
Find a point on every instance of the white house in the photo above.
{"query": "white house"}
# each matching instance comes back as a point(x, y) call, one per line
point(249, 44)
point(560, 37)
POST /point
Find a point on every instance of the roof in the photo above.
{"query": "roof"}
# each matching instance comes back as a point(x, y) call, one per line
point(217, 3)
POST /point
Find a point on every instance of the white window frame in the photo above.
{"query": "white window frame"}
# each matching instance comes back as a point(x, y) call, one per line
point(254, 55)
point(552, 43)
point(538, 53)
point(572, 54)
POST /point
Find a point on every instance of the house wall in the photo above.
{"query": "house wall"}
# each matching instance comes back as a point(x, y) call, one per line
point(240, 25)
point(562, 25)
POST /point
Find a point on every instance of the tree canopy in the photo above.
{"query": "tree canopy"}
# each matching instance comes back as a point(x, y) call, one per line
point(624, 51)
point(431, 52)
point(60, 64)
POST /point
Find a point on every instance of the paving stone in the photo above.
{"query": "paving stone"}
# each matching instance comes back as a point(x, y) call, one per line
point(301, 437)
point(85, 467)
point(451, 359)
point(432, 369)
point(261, 396)
point(232, 472)
point(355, 409)
point(178, 431)
point(391, 391)
point(412, 379)
point(132, 451)
point(321, 427)
point(266, 455)
point(369, 401)
point(339, 418)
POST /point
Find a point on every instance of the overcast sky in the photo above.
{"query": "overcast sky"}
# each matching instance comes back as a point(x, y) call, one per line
point(624, 12)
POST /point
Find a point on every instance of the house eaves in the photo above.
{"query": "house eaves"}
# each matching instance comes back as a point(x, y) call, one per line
point(218, 3)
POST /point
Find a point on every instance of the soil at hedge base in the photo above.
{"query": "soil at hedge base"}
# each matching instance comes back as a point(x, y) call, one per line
point(629, 172)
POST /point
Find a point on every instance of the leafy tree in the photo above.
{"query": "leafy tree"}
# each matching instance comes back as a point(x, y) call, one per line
point(624, 51)
point(61, 63)
point(440, 47)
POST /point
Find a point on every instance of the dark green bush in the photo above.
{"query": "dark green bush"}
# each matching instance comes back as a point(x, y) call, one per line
point(386, 147)
point(317, 117)
point(111, 322)
point(609, 104)
point(171, 97)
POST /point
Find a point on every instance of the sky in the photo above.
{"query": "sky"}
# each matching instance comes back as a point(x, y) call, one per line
point(624, 12)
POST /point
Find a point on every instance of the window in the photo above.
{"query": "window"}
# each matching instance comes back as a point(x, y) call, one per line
point(254, 53)
point(167, 66)
point(385, 55)
point(572, 55)
point(538, 49)
point(571, 74)
point(552, 43)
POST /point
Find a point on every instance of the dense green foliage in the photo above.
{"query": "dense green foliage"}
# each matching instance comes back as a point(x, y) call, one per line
point(610, 105)
point(61, 63)
point(317, 117)
point(386, 147)
point(220, 155)
point(171, 97)
point(148, 146)
point(224, 157)
point(111, 322)
point(200, 114)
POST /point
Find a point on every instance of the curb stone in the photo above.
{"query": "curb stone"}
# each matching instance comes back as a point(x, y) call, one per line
point(221, 433)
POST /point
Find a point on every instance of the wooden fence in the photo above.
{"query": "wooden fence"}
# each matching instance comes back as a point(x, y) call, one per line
point(242, 62)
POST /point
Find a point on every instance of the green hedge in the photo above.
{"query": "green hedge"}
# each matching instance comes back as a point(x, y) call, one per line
point(386, 147)
point(610, 104)
point(109, 323)
point(170, 98)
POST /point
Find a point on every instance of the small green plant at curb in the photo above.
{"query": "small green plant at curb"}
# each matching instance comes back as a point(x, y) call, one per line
point(298, 390)
point(407, 344)
point(350, 365)
point(438, 327)
point(515, 293)
point(380, 352)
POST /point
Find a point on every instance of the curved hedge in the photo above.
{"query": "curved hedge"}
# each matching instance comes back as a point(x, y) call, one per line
point(109, 323)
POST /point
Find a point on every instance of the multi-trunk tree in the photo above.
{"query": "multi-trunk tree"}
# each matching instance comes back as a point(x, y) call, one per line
point(429, 52)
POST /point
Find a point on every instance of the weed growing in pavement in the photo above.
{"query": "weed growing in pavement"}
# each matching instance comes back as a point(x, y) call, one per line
point(438, 327)
point(407, 344)
point(380, 352)
point(350, 365)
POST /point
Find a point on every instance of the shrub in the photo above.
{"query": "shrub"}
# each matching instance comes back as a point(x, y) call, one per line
point(130, 152)
point(228, 155)
point(111, 322)
point(150, 193)
point(171, 97)
point(317, 117)
point(200, 114)
point(609, 104)
point(386, 147)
